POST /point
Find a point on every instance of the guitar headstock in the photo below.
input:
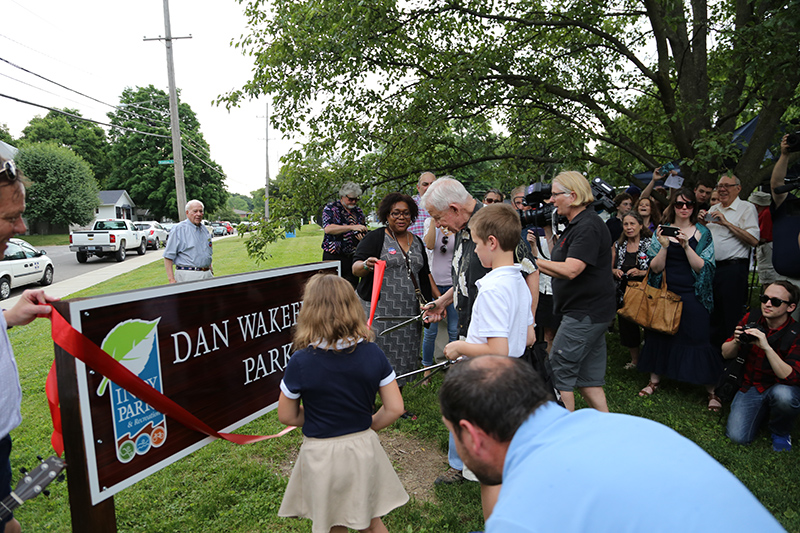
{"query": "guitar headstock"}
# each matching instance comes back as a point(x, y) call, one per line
point(34, 482)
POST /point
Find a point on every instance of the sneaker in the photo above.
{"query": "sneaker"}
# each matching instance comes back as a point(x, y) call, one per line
point(450, 477)
point(781, 443)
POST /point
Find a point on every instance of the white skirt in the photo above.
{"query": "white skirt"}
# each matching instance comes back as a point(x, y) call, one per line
point(342, 481)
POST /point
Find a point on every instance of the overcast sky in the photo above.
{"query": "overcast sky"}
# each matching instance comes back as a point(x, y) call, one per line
point(95, 47)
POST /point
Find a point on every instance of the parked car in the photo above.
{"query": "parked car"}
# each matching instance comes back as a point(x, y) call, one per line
point(219, 229)
point(156, 233)
point(22, 265)
point(112, 236)
point(229, 226)
point(168, 226)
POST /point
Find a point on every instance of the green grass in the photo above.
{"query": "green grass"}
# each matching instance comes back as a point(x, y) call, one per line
point(239, 488)
point(40, 241)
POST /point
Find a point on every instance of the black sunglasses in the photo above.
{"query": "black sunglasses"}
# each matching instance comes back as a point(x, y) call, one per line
point(684, 205)
point(443, 248)
point(352, 199)
point(9, 171)
point(776, 302)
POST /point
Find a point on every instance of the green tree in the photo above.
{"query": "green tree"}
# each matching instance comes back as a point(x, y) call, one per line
point(135, 154)
point(240, 202)
point(556, 78)
point(5, 135)
point(84, 138)
point(63, 189)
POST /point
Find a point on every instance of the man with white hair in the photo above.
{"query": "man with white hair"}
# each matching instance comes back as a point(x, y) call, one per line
point(452, 207)
point(734, 226)
point(189, 247)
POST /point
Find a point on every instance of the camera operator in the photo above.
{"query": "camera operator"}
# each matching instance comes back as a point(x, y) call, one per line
point(583, 293)
point(785, 214)
point(771, 383)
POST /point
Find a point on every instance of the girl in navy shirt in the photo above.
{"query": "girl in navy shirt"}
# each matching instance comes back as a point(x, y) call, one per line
point(342, 478)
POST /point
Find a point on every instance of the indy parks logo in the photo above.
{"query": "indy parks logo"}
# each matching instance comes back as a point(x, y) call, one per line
point(137, 426)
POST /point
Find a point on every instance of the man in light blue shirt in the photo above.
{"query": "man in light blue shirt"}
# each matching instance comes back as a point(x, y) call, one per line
point(189, 247)
point(583, 471)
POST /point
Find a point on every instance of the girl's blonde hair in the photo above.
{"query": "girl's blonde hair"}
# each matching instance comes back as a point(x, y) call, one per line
point(331, 312)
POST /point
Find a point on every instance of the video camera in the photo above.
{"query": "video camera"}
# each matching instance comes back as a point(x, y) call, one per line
point(544, 214)
point(793, 140)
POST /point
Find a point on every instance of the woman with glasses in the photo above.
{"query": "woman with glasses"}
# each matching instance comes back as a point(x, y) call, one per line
point(406, 273)
point(344, 225)
point(688, 262)
point(441, 243)
point(493, 196)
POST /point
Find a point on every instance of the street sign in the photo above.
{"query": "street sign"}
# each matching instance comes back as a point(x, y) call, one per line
point(166, 162)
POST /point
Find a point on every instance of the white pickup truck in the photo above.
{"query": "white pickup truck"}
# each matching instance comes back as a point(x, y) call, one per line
point(110, 236)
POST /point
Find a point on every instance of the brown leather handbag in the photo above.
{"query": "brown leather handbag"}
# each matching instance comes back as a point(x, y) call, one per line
point(653, 308)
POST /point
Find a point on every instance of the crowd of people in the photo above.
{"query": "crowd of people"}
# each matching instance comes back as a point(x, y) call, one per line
point(500, 284)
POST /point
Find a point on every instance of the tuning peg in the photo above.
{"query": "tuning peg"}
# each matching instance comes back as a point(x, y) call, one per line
point(60, 478)
point(23, 470)
point(46, 492)
point(41, 459)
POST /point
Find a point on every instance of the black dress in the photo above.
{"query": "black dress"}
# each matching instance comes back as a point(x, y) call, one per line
point(688, 355)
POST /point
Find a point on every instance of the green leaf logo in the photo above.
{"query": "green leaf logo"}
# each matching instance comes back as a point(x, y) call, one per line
point(130, 343)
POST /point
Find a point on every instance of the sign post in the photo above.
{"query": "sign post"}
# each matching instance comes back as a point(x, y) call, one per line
point(218, 348)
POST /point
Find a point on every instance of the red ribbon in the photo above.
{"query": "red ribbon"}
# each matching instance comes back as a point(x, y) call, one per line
point(377, 283)
point(76, 344)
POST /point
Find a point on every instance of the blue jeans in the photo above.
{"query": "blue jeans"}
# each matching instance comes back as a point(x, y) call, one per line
point(748, 410)
point(452, 455)
point(429, 340)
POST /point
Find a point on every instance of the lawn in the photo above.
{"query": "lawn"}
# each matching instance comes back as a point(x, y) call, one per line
point(41, 241)
point(239, 488)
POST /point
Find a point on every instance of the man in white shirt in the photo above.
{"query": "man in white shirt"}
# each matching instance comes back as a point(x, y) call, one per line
point(734, 226)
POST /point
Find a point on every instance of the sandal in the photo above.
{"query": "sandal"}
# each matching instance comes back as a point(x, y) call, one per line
point(714, 402)
point(649, 389)
point(629, 365)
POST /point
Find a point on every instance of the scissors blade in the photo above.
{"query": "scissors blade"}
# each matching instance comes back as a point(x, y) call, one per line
point(400, 325)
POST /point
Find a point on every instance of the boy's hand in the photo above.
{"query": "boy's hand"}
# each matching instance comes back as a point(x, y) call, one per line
point(451, 350)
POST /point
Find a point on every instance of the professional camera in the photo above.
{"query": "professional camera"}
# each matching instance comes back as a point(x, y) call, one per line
point(793, 140)
point(746, 338)
point(542, 213)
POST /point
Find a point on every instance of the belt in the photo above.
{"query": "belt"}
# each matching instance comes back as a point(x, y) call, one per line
point(733, 261)
point(199, 269)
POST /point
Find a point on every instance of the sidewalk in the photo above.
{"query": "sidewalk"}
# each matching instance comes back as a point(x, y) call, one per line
point(62, 289)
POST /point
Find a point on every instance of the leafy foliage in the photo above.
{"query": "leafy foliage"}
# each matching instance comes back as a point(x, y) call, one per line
point(64, 190)
point(135, 155)
point(84, 138)
point(648, 80)
point(5, 134)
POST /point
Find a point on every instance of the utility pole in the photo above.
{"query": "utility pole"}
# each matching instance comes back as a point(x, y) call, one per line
point(266, 187)
point(177, 151)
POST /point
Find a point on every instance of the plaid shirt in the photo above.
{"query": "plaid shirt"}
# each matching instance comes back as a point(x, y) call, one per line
point(336, 213)
point(758, 372)
point(418, 227)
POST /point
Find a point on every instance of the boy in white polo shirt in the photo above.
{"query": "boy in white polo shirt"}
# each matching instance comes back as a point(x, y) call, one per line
point(502, 319)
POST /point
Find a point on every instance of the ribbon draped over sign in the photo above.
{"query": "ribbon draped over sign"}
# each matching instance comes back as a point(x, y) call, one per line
point(79, 346)
point(377, 283)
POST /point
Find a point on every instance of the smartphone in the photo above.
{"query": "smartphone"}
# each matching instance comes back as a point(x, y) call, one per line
point(669, 231)
point(708, 217)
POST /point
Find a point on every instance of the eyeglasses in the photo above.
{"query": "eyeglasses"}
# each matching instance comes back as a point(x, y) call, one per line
point(554, 194)
point(684, 205)
point(776, 302)
point(352, 199)
point(443, 248)
point(491, 201)
point(400, 214)
point(727, 185)
point(9, 171)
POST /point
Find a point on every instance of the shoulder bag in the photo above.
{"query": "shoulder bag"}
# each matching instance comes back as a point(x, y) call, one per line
point(652, 308)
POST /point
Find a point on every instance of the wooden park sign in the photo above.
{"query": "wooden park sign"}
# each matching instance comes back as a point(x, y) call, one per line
point(217, 348)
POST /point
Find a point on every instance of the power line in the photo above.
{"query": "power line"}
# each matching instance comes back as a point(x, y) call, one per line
point(82, 118)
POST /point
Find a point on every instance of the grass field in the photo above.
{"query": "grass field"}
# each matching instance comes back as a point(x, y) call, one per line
point(40, 241)
point(239, 488)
